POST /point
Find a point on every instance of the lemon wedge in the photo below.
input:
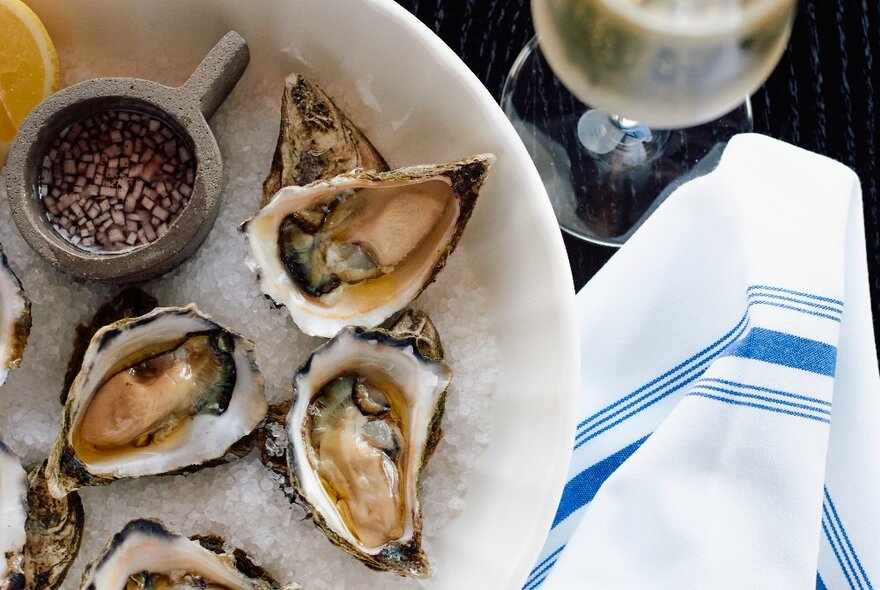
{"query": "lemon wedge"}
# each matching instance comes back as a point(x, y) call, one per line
point(29, 69)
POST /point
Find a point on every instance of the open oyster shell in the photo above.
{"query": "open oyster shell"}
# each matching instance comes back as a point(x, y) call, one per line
point(145, 555)
point(13, 510)
point(315, 141)
point(15, 319)
point(39, 535)
point(364, 420)
point(205, 395)
point(360, 247)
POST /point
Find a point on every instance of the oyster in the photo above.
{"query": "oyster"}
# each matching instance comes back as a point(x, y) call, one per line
point(39, 536)
point(315, 141)
point(54, 531)
point(166, 392)
point(147, 556)
point(360, 247)
point(13, 514)
point(15, 319)
point(364, 420)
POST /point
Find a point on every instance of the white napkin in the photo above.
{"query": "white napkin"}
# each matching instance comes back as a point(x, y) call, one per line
point(714, 344)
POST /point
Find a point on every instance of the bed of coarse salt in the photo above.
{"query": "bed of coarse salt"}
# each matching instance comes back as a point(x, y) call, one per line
point(240, 501)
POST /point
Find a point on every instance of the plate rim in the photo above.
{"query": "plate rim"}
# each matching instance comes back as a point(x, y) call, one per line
point(558, 266)
point(543, 506)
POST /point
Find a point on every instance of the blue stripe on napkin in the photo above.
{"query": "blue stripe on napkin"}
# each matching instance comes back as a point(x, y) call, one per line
point(815, 305)
point(577, 493)
point(781, 402)
point(666, 384)
point(582, 487)
point(758, 344)
point(674, 379)
point(805, 398)
point(539, 572)
point(761, 407)
point(773, 289)
point(800, 302)
point(795, 308)
point(765, 398)
point(761, 344)
point(843, 549)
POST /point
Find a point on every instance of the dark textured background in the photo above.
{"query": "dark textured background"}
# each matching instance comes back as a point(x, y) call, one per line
point(821, 96)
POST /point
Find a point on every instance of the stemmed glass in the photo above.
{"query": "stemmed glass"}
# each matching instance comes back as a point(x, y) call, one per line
point(644, 96)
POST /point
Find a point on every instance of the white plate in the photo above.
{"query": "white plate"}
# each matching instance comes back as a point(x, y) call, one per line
point(419, 103)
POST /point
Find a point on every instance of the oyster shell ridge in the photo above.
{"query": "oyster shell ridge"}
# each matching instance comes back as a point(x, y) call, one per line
point(15, 322)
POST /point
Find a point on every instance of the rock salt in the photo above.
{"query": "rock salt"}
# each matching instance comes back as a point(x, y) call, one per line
point(241, 501)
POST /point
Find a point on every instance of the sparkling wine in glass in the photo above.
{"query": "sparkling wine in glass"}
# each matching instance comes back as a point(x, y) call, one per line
point(665, 81)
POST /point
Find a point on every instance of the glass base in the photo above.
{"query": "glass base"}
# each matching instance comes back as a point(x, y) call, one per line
point(605, 174)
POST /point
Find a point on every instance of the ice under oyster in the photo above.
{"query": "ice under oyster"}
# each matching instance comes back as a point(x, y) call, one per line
point(165, 392)
point(39, 535)
point(364, 420)
point(357, 248)
point(15, 319)
point(145, 555)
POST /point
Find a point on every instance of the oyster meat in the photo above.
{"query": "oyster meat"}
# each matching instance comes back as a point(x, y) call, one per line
point(358, 248)
point(39, 536)
point(315, 141)
point(364, 420)
point(166, 392)
point(15, 319)
point(147, 556)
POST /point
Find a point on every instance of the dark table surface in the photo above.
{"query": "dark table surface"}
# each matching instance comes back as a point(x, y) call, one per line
point(821, 96)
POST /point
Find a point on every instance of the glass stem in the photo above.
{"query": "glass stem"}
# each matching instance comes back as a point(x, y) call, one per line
point(623, 123)
point(607, 136)
point(601, 133)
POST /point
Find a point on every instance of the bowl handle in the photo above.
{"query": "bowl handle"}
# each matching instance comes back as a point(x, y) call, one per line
point(218, 73)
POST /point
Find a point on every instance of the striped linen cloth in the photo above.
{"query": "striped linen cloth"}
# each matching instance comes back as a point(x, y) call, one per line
point(728, 351)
